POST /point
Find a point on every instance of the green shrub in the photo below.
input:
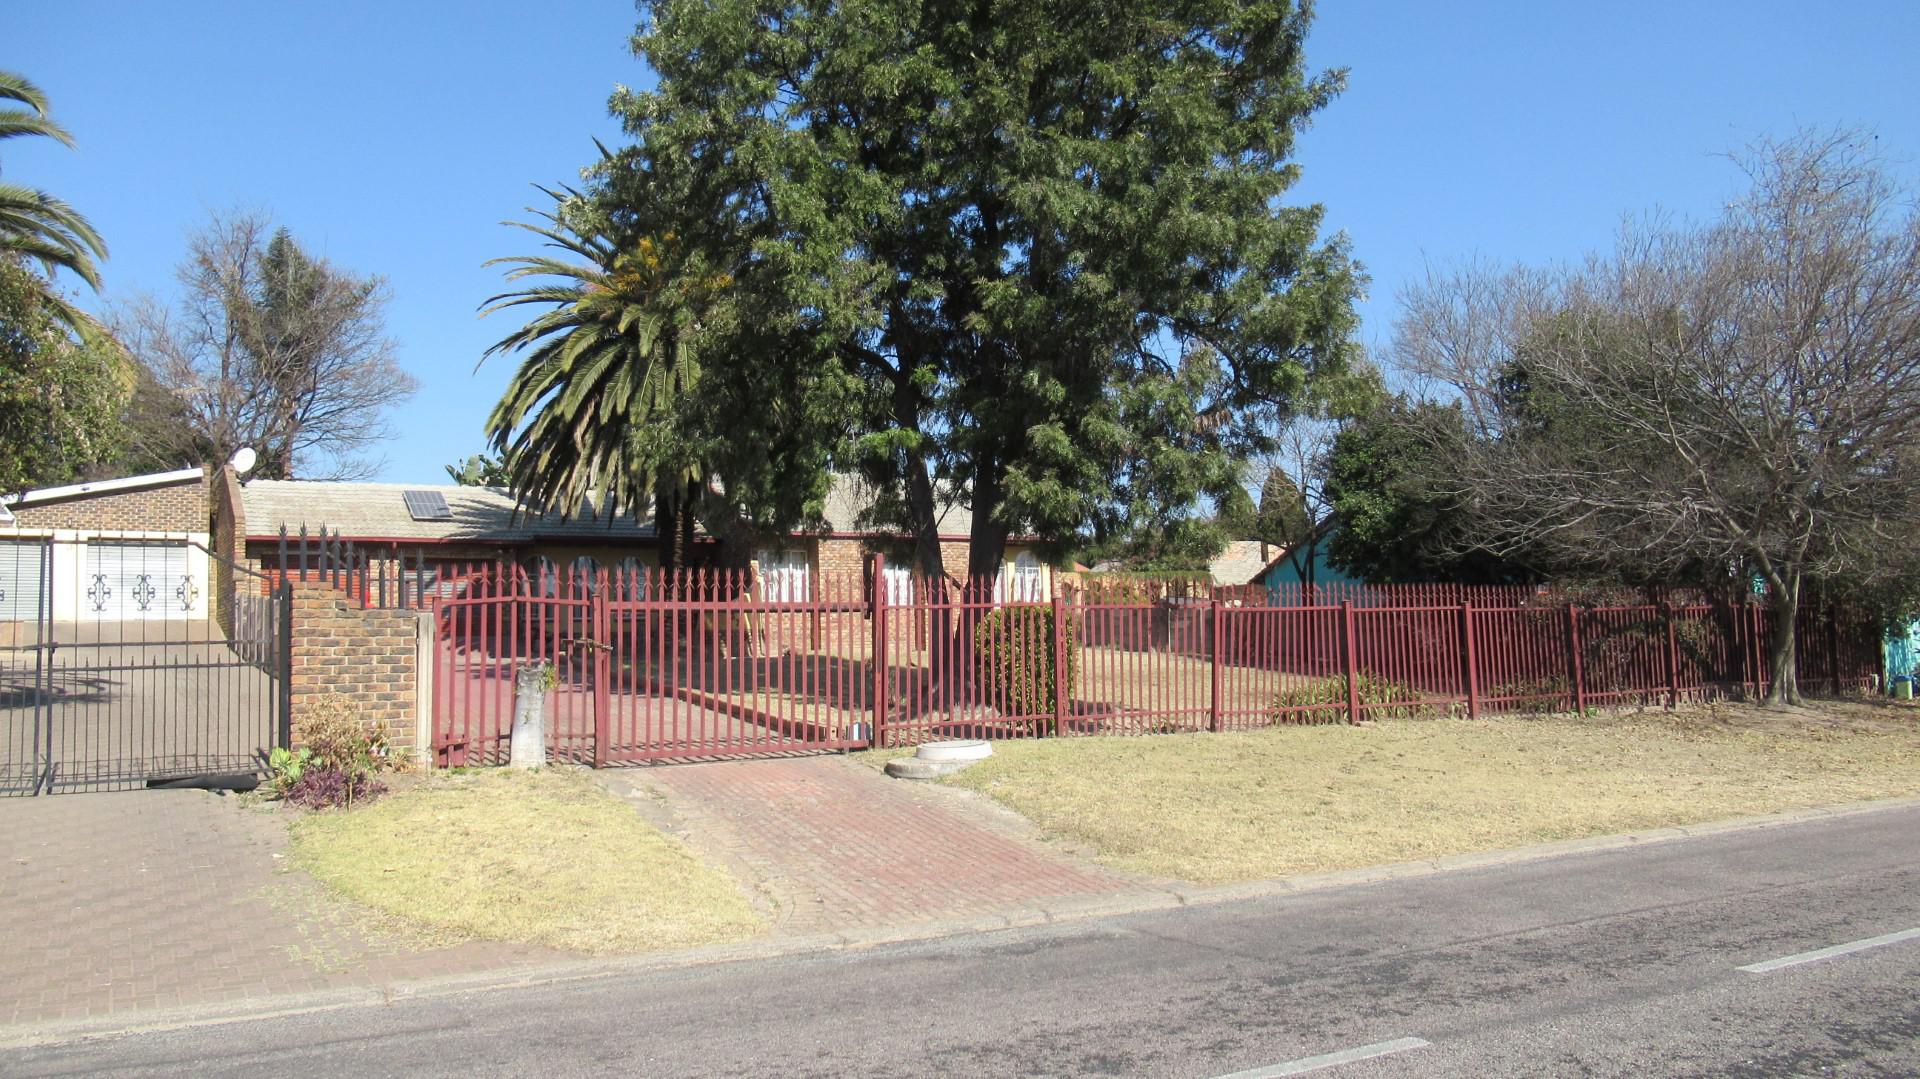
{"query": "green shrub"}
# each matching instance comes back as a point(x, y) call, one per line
point(1320, 700)
point(337, 758)
point(1013, 660)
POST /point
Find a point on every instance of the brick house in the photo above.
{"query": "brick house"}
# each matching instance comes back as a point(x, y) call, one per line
point(449, 526)
point(127, 549)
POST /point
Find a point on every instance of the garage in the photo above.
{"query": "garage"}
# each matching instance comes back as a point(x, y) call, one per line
point(23, 577)
point(132, 549)
point(138, 581)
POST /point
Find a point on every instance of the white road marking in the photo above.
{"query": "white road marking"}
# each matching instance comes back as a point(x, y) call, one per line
point(1828, 953)
point(1328, 1060)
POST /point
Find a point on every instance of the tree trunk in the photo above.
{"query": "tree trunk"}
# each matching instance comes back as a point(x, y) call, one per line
point(666, 528)
point(1782, 642)
point(923, 525)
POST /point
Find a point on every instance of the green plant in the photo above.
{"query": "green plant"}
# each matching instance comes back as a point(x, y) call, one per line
point(1318, 700)
point(338, 756)
point(1013, 649)
point(284, 767)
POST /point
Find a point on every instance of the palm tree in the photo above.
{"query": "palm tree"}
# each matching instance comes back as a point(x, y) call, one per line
point(596, 404)
point(33, 224)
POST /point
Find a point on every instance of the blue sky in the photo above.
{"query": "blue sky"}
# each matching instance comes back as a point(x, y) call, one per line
point(393, 137)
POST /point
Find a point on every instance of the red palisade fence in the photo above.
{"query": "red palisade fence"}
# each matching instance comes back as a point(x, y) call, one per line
point(715, 663)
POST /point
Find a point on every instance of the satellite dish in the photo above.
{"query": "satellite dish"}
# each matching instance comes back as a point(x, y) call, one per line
point(243, 459)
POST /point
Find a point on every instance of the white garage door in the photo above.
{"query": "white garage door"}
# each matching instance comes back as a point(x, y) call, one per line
point(23, 573)
point(128, 581)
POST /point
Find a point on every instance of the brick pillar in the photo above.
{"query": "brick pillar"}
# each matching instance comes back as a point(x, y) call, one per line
point(371, 657)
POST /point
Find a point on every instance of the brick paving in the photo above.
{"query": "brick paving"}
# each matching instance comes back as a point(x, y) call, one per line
point(115, 904)
point(837, 845)
point(143, 900)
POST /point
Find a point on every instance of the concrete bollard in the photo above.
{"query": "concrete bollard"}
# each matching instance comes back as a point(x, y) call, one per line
point(528, 748)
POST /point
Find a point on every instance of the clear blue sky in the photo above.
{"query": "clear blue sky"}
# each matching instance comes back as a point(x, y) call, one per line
point(392, 137)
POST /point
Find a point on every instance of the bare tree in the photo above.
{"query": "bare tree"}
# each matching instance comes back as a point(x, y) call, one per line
point(1461, 330)
point(266, 347)
point(1295, 513)
point(1740, 397)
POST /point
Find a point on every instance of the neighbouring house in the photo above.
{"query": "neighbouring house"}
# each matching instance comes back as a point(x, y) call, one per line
point(448, 528)
point(128, 549)
point(1280, 574)
point(1241, 562)
point(1901, 655)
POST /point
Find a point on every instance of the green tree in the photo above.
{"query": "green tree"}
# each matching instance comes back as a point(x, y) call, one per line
point(60, 393)
point(612, 398)
point(1398, 516)
point(1043, 245)
point(480, 470)
point(37, 226)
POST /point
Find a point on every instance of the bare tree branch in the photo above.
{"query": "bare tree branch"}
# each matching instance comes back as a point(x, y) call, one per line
point(266, 347)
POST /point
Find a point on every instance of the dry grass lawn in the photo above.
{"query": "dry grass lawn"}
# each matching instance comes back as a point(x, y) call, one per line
point(1214, 808)
point(543, 858)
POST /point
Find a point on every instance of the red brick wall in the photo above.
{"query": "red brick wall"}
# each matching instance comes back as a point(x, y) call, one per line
point(178, 507)
point(368, 657)
point(228, 541)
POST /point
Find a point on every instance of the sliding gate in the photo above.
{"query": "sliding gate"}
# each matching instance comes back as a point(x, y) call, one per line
point(123, 664)
point(648, 667)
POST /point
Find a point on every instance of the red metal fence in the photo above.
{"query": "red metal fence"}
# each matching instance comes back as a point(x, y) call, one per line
point(692, 665)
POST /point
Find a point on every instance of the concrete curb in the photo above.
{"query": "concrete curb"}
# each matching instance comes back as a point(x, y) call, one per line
point(1064, 910)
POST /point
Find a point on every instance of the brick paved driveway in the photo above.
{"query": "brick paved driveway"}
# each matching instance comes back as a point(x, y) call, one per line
point(142, 900)
point(838, 845)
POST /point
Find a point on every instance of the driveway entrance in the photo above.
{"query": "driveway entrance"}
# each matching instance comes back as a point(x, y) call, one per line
point(124, 697)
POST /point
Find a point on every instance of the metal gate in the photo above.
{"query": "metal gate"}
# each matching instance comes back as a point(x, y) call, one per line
point(136, 664)
point(647, 666)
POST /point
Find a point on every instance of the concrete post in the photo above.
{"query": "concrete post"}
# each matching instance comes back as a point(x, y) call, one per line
point(529, 746)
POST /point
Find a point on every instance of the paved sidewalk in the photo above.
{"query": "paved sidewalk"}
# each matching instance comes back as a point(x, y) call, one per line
point(155, 900)
point(837, 845)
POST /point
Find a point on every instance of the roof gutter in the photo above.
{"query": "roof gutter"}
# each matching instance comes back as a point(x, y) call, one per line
point(100, 487)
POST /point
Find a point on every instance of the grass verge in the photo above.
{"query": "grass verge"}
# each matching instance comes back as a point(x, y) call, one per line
point(541, 858)
point(1215, 808)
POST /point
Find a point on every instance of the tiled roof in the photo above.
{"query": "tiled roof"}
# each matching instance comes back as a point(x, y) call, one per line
point(1241, 562)
point(378, 511)
point(850, 497)
point(486, 514)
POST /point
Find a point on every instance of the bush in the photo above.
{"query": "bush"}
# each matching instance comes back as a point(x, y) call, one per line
point(330, 788)
point(338, 756)
point(333, 732)
point(1013, 660)
point(1319, 700)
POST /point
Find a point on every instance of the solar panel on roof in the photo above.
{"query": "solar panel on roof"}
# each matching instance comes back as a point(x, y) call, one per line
point(427, 506)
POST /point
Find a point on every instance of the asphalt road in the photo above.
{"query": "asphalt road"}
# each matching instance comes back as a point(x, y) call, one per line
point(1619, 963)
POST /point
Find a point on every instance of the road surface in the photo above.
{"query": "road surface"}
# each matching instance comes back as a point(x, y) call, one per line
point(1628, 962)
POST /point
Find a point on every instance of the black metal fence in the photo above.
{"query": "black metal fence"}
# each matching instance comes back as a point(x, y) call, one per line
point(122, 665)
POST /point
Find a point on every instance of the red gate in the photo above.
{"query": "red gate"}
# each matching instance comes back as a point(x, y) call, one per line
point(649, 666)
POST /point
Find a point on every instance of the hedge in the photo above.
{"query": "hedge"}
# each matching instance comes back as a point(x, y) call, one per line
point(1013, 660)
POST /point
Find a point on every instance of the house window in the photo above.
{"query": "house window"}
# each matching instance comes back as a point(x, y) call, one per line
point(630, 580)
point(899, 585)
point(586, 576)
point(784, 575)
point(1023, 579)
point(546, 577)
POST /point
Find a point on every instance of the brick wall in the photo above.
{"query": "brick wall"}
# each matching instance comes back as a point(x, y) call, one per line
point(370, 657)
point(228, 541)
point(177, 507)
